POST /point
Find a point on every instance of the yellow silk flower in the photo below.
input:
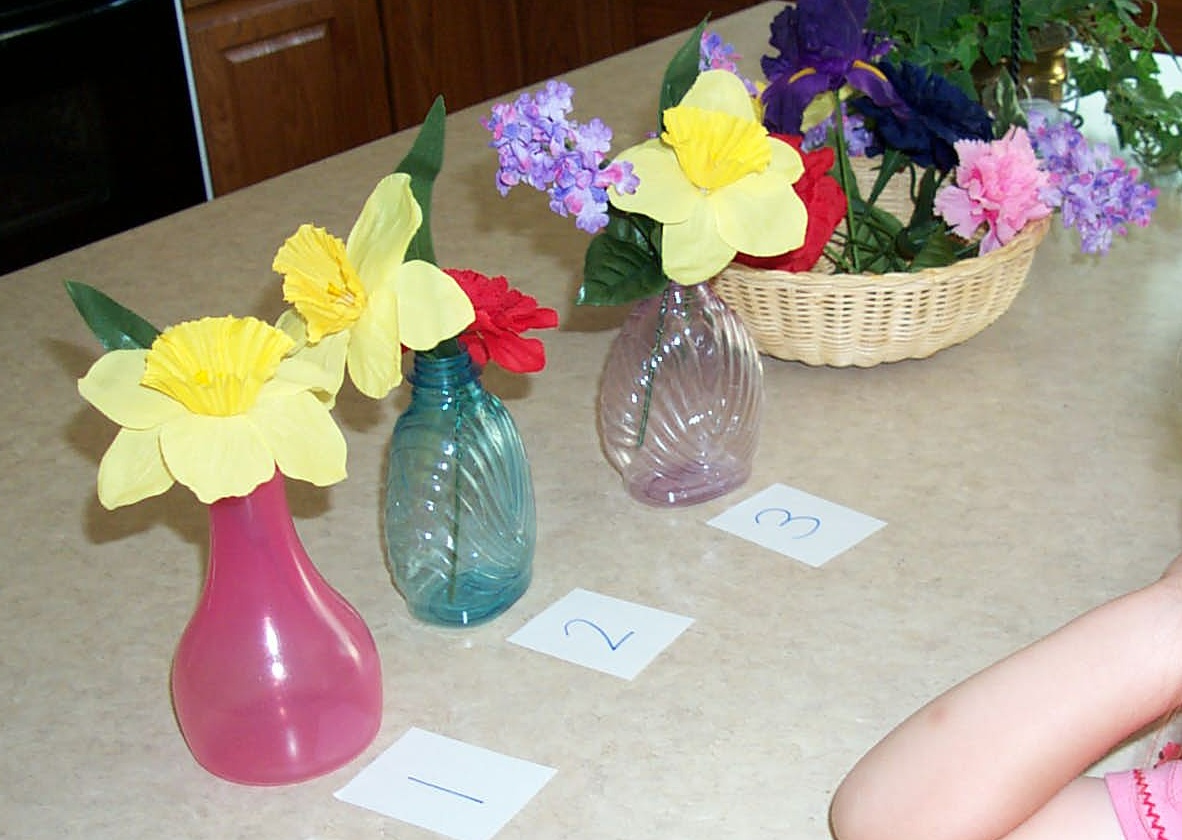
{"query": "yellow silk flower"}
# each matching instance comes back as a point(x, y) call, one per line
point(716, 182)
point(217, 405)
point(357, 303)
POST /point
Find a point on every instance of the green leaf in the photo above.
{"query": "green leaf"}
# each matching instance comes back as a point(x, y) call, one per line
point(423, 164)
point(682, 72)
point(617, 270)
point(966, 51)
point(893, 161)
point(922, 214)
point(874, 240)
point(939, 250)
point(114, 325)
point(1008, 106)
point(1089, 76)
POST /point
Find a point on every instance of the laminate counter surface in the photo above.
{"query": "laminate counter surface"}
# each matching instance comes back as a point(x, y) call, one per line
point(1024, 476)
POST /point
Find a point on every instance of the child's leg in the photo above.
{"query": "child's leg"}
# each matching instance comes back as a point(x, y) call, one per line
point(991, 753)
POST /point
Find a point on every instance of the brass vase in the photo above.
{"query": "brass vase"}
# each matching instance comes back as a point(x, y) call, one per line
point(1042, 78)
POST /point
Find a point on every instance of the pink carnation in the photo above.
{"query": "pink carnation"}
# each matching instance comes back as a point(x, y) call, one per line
point(999, 185)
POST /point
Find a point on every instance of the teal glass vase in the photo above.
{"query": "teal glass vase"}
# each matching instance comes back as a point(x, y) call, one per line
point(460, 522)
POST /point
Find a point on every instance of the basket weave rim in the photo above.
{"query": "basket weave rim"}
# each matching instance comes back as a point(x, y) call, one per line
point(1028, 238)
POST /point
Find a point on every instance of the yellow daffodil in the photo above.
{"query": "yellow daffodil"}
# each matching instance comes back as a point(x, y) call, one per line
point(356, 303)
point(217, 405)
point(716, 182)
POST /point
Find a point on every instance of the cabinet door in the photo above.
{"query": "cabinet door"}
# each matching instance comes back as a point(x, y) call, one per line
point(1169, 21)
point(653, 19)
point(464, 50)
point(282, 83)
point(473, 50)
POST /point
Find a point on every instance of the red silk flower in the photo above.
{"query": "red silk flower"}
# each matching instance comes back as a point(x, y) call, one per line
point(502, 315)
point(822, 196)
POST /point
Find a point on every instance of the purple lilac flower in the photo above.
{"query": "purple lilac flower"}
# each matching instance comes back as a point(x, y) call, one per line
point(717, 54)
point(858, 137)
point(537, 145)
point(1096, 193)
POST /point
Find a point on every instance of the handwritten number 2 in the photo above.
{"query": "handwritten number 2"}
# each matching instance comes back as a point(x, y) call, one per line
point(613, 645)
point(788, 517)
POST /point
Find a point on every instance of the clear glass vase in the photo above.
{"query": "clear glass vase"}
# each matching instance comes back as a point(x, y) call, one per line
point(681, 397)
point(459, 512)
point(276, 678)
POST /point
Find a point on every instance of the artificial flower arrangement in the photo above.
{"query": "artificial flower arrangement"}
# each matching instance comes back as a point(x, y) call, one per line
point(975, 180)
point(219, 403)
point(229, 407)
point(676, 207)
point(931, 228)
point(459, 510)
point(681, 390)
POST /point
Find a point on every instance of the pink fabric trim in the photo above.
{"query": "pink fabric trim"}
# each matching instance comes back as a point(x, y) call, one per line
point(1148, 802)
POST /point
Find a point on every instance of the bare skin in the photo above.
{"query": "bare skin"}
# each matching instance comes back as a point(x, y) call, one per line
point(1000, 756)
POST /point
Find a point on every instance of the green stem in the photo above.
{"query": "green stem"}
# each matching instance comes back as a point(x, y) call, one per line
point(837, 258)
point(652, 366)
point(448, 348)
point(454, 571)
point(843, 163)
point(445, 349)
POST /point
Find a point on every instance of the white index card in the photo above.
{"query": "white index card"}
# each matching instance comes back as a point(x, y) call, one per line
point(600, 632)
point(797, 524)
point(446, 786)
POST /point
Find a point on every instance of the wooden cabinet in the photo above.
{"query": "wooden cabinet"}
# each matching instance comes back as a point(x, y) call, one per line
point(281, 83)
point(1169, 21)
point(472, 50)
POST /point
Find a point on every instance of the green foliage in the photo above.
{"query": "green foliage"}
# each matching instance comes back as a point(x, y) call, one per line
point(1007, 106)
point(114, 325)
point(958, 37)
point(623, 262)
point(1149, 123)
point(423, 164)
point(1116, 60)
point(936, 33)
point(877, 242)
point(681, 72)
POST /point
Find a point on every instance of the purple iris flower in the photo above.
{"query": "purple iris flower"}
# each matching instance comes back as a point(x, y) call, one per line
point(823, 47)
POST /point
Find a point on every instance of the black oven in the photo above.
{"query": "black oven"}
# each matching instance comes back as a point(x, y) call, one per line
point(98, 126)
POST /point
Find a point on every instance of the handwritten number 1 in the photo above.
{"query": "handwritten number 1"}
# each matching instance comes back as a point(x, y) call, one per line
point(613, 645)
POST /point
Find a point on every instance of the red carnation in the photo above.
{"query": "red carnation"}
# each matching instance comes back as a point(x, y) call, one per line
point(826, 204)
point(502, 315)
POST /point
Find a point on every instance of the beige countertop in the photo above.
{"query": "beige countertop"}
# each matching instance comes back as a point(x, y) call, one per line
point(1024, 476)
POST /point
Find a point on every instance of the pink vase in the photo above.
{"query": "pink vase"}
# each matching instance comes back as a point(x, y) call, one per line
point(276, 678)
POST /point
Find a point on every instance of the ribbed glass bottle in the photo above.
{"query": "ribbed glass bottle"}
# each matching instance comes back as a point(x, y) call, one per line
point(681, 398)
point(459, 510)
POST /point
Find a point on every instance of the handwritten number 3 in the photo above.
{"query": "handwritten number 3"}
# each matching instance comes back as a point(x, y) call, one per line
point(788, 517)
point(613, 645)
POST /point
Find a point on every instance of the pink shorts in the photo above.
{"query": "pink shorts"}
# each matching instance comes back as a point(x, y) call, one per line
point(1148, 802)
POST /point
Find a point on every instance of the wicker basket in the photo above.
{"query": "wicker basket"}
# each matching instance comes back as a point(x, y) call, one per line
point(866, 319)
